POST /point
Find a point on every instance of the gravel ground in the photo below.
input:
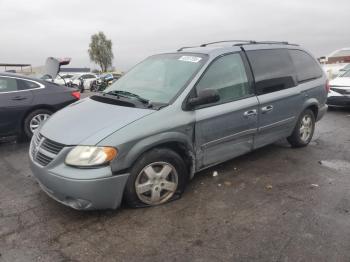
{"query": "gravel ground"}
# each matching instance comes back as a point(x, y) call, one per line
point(274, 204)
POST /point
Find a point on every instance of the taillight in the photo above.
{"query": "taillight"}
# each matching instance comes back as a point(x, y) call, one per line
point(328, 87)
point(76, 94)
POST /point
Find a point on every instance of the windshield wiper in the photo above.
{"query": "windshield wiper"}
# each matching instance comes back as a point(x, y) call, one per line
point(128, 94)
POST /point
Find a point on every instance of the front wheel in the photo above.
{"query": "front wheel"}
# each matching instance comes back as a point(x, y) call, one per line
point(157, 177)
point(303, 130)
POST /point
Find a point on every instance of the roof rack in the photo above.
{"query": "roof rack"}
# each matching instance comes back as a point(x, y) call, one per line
point(185, 47)
point(217, 42)
point(239, 43)
point(227, 41)
point(268, 42)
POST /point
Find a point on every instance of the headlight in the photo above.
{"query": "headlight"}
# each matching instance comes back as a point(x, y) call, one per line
point(90, 156)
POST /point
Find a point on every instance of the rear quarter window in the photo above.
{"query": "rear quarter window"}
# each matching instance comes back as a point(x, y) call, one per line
point(273, 70)
point(307, 68)
point(25, 85)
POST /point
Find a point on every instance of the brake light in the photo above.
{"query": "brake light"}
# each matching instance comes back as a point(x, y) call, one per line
point(76, 94)
point(328, 87)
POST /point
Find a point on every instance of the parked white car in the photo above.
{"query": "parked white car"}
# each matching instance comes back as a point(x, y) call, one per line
point(86, 77)
point(339, 94)
point(63, 79)
point(334, 70)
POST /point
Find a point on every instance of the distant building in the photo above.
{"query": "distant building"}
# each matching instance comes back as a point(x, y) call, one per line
point(12, 66)
point(75, 70)
point(339, 56)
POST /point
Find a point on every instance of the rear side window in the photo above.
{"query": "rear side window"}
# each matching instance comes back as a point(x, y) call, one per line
point(8, 84)
point(25, 85)
point(226, 75)
point(306, 67)
point(273, 70)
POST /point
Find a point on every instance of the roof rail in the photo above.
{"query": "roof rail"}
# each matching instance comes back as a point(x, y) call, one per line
point(227, 41)
point(240, 42)
point(269, 42)
point(185, 47)
point(217, 42)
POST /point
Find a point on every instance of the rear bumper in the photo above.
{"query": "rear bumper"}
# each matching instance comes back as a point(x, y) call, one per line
point(343, 101)
point(82, 194)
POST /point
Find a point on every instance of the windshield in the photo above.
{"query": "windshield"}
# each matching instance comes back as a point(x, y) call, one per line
point(67, 76)
point(159, 78)
point(346, 74)
point(75, 77)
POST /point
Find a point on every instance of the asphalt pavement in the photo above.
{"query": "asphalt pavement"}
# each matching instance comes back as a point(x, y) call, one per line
point(274, 204)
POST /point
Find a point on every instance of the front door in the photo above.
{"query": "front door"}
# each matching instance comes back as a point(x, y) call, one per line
point(226, 129)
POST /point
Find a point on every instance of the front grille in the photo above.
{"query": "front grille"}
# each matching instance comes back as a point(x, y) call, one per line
point(341, 91)
point(52, 146)
point(43, 159)
point(44, 150)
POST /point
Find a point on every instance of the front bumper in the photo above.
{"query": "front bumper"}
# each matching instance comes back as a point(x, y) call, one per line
point(343, 101)
point(81, 194)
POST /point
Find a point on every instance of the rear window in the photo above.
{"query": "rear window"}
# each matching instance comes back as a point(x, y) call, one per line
point(273, 70)
point(306, 67)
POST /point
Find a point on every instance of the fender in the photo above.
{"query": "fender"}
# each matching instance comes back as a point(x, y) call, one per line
point(126, 160)
point(310, 102)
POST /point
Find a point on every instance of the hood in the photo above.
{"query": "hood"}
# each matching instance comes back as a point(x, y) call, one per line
point(87, 122)
point(340, 81)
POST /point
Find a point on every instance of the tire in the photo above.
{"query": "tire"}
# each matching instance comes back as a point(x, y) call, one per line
point(299, 139)
point(157, 160)
point(38, 114)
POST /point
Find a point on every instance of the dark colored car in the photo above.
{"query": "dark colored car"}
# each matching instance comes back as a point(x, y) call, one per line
point(27, 102)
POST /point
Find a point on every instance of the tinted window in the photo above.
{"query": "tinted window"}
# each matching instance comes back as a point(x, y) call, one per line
point(8, 84)
point(67, 76)
point(306, 67)
point(227, 75)
point(87, 76)
point(24, 85)
point(273, 70)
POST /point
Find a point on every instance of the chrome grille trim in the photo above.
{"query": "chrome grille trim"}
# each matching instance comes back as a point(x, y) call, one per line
point(52, 146)
point(43, 159)
point(44, 150)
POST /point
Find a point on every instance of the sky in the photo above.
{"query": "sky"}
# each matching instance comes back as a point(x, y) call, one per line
point(33, 30)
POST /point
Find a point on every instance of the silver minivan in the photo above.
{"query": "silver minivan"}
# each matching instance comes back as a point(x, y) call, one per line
point(173, 115)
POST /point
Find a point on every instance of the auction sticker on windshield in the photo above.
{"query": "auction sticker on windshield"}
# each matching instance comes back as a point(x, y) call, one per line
point(193, 59)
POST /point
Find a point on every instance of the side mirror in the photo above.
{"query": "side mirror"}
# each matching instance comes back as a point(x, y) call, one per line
point(205, 96)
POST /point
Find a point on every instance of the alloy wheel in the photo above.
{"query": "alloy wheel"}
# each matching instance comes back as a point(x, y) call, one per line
point(306, 128)
point(156, 183)
point(37, 120)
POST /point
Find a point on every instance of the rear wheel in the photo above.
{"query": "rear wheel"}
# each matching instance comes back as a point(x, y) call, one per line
point(34, 120)
point(157, 177)
point(303, 130)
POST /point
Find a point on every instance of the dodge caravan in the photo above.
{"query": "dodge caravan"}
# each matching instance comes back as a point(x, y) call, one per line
point(173, 115)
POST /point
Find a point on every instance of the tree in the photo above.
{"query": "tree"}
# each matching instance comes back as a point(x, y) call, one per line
point(100, 51)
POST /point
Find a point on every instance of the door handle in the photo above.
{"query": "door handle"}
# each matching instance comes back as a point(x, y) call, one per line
point(266, 109)
point(249, 113)
point(18, 98)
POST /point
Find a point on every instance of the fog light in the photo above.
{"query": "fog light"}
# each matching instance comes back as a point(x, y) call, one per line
point(78, 203)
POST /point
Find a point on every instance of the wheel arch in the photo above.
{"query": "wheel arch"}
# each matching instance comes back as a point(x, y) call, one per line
point(178, 142)
point(36, 107)
point(313, 105)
